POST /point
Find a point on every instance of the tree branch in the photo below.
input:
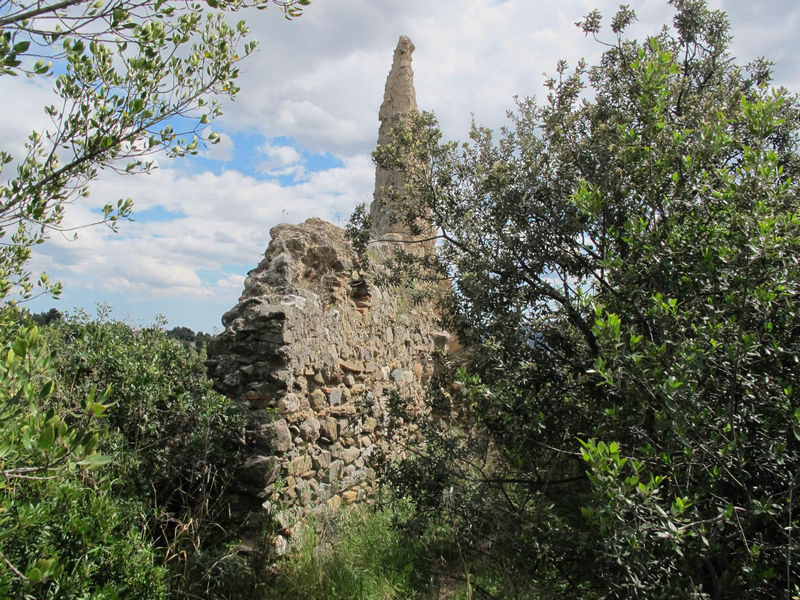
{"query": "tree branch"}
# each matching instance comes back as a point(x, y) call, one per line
point(35, 12)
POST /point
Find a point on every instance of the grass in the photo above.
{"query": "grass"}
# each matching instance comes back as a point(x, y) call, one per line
point(356, 554)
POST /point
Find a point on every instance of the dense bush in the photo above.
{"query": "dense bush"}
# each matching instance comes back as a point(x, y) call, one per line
point(100, 541)
point(625, 263)
point(64, 532)
point(120, 493)
point(175, 434)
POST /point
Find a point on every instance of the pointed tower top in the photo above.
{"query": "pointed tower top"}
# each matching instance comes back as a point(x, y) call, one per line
point(399, 96)
point(399, 99)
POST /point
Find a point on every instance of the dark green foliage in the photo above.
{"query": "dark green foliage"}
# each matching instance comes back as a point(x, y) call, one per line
point(190, 338)
point(175, 444)
point(625, 266)
point(358, 232)
point(63, 532)
point(102, 549)
point(512, 530)
point(217, 569)
point(176, 435)
point(182, 334)
point(144, 519)
point(45, 318)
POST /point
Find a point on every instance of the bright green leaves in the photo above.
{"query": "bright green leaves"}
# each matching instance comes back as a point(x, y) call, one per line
point(690, 350)
point(10, 49)
point(95, 460)
point(763, 115)
point(656, 74)
point(40, 440)
point(136, 106)
point(21, 47)
point(292, 12)
point(43, 569)
point(114, 64)
point(607, 327)
point(47, 436)
point(631, 513)
point(616, 478)
point(119, 17)
point(587, 199)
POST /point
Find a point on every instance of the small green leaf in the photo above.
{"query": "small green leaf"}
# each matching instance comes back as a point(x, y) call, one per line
point(20, 347)
point(95, 460)
point(47, 437)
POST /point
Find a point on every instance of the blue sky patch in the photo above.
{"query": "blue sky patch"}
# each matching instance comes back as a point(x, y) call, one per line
point(156, 214)
point(250, 158)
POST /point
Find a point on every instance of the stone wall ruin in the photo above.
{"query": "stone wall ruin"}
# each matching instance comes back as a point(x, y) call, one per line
point(314, 348)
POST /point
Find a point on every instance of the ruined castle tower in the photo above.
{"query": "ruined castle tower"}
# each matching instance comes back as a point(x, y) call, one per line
point(389, 199)
point(313, 350)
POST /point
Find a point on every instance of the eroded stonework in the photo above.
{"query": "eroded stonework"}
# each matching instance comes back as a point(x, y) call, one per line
point(313, 351)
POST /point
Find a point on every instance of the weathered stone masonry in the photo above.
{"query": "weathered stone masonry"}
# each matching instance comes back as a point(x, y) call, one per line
point(313, 350)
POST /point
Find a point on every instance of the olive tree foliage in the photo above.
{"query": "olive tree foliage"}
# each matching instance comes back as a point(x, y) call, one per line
point(625, 271)
point(131, 78)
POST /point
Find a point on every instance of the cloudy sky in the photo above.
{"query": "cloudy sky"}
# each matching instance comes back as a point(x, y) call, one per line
point(297, 140)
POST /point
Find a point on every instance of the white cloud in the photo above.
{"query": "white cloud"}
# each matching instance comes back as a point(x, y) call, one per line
point(227, 220)
point(281, 161)
point(233, 282)
point(23, 102)
point(146, 276)
point(309, 121)
point(222, 150)
point(281, 156)
point(318, 81)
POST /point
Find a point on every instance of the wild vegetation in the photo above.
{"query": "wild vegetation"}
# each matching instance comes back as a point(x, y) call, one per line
point(113, 446)
point(116, 449)
point(626, 424)
point(624, 265)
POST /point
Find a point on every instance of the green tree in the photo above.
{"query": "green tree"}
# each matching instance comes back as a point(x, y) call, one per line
point(624, 266)
point(120, 492)
point(132, 77)
point(173, 440)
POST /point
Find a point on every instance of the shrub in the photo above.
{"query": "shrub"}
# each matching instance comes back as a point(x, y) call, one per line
point(63, 532)
point(175, 438)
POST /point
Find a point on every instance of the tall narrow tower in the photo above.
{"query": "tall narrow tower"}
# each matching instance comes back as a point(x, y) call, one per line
point(399, 99)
